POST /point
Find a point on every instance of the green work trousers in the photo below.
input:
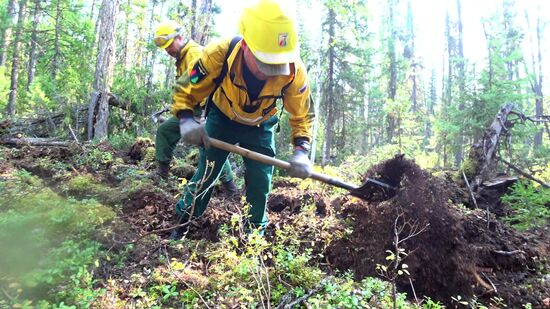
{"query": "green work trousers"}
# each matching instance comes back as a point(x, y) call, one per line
point(168, 135)
point(258, 175)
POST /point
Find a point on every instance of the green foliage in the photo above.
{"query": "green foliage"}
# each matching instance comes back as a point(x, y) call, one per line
point(530, 205)
point(95, 159)
point(85, 186)
point(4, 89)
point(57, 169)
point(49, 243)
point(370, 292)
point(122, 140)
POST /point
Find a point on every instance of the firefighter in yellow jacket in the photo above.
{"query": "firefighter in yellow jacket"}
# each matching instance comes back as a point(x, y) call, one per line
point(170, 37)
point(264, 73)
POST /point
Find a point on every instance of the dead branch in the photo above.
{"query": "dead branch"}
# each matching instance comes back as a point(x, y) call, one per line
point(74, 136)
point(287, 304)
point(508, 253)
point(474, 198)
point(535, 119)
point(140, 237)
point(483, 283)
point(469, 189)
point(413, 226)
point(43, 126)
point(418, 303)
point(8, 295)
point(519, 171)
point(491, 282)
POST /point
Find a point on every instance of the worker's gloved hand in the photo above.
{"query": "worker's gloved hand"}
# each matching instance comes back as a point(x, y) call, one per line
point(193, 132)
point(300, 166)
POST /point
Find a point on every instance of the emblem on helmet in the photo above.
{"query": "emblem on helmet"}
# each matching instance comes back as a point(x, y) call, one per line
point(283, 39)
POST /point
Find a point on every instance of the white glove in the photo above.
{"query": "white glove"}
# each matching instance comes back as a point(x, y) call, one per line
point(300, 166)
point(193, 133)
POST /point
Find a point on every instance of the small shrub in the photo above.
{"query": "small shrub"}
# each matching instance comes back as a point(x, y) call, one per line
point(121, 140)
point(344, 292)
point(85, 186)
point(95, 159)
point(530, 205)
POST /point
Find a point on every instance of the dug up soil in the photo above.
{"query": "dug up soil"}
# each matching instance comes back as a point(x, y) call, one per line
point(450, 251)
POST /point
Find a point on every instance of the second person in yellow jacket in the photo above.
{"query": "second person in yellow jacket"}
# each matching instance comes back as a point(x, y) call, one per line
point(170, 37)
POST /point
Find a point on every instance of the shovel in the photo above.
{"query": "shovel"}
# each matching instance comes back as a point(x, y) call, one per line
point(157, 116)
point(364, 191)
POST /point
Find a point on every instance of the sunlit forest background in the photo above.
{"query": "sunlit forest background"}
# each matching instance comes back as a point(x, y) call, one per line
point(420, 77)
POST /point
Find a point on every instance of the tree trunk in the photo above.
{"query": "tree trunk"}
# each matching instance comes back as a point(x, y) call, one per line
point(15, 61)
point(203, 26)
point(539, 111)
point(126, 37)
point(536, 80)
point(193, 19)
point(92, 9)
point(98, 109)
point(150, 61)
point(57, 52)
point(461, 83)
point(410, 54)
point(392, 84)
point(329, 96)
point(6, 31)
point(34, 43)
point(509, 30)
point(490, 56)
point(430, 104)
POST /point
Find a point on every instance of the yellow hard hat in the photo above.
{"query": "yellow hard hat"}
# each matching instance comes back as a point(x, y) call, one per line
point(166, 32)
point(269, 30)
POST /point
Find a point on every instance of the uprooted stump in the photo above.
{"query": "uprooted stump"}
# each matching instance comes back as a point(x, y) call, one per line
point(443, 260)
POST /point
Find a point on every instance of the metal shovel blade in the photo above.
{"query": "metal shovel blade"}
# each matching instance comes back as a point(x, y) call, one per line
point(374, 190)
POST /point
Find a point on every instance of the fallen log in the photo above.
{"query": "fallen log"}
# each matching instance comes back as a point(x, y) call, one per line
point(47, 126)
point(34, 141)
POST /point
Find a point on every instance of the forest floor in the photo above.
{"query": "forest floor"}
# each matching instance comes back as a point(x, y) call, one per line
point(421, 238)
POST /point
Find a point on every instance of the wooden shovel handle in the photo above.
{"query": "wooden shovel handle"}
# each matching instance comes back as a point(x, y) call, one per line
point(249, 154)
point(276, 162)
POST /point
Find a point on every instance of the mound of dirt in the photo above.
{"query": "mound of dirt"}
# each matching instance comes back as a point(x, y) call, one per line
point(447, 251)
point(139, 149)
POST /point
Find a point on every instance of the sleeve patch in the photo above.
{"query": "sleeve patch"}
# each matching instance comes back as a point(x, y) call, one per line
point(198, 73)
point(183, 80)
point(303, 88)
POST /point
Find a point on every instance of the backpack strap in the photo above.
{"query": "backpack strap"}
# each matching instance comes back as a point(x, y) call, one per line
point(218, 80)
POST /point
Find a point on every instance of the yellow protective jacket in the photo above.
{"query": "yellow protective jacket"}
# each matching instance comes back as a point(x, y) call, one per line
point(231, 97)
point(188, 54)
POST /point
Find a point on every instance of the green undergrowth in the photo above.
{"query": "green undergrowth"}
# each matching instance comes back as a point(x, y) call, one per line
point(84, 186)
point(55, 255)
point(95, 159)
point(530, 205)
point(248, 271)
point(48, 247)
